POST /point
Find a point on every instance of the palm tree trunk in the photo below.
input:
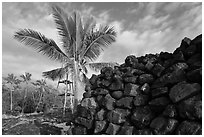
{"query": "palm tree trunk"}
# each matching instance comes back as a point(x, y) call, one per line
point(24, 101)
point(38, 102)
point(75, 85)
point(65, 96)
point(11, 105)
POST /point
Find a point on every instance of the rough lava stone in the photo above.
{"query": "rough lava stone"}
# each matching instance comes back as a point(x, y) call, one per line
point(107, 72)
point(117, 84)
point(140, 100)
point(142, 116)
point(145, 88)
point(158, 69)
point(163, 126)
point(170, 111)
point(109, 102)
point(131, 60)
point(183, 90)
point(191, 108)
point(189, 128)
point(118, 116)
point(100, 115)
point(126, 130)
point(100, 126)
point(159, 91)
point(125, 102)
point(117, 94)
point(143, 132)
point(132, 79)
point(146, 78)
point(112, 129)
point(85, 122)
point(195, 75)
point(131, 89)
point(89, 103)
point(79, 130)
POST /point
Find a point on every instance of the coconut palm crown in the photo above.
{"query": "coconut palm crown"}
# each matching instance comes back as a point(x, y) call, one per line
point(81, 44)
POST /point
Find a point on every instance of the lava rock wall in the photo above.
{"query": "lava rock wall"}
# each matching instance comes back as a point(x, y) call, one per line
point(154, 94)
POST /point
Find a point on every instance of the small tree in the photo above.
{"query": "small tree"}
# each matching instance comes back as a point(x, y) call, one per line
point(42, 86)
point(11, 79)
point(26, 78)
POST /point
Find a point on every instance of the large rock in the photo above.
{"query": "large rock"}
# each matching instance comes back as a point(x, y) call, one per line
point(191, 108)
point(170, 111)
point(84, 112)
point(158, 69)
point(183, 90)
point(117, 94)
point(85, 122)
point(118, 116)
point(189, 128)
point(142, 116)
point(100, 126)
point(125, 102)
point(112, 129)
point(131, 61)
point(160, 101)
point(146, 78)
point(195, 75)
point(79, 130)
point(144, 132)
point(126, 130)
point(159, 91)
point(89, 103)
point(100, 115)
point(170, 78)
point(131, 89)
point(132, 79)
point(107, 72)
point(145, 88)
point(163, 126)
point(109, 102)
point(100, 91)
point(140, 100)
point(117, 84)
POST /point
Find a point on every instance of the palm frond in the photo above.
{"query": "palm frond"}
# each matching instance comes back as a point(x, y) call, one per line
point(62, 23)
point(41, 44)
point(55, 74)
point(96, 42)
point(98, 66)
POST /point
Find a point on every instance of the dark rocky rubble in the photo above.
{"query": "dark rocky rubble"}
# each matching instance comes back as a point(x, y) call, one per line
point(153, 94)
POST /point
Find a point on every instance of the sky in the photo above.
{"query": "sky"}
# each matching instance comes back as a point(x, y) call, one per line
point(142, 28)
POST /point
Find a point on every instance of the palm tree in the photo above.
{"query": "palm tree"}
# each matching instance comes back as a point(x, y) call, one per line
point(82, 43)
point(26, 78)
point(42, 85)
point(11, 79)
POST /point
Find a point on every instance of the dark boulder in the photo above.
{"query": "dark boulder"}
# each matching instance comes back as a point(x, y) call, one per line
point(189, 128)
point(125, 102)
point(159, 91)
point(126, 130)
point(112, 129)
point(170, 111)
point(100, 126)
point(146, 78)
point(131, 89)
point(142, 116)
point(163, 126)
point(109, 102)
point(183, 90)
point(117, 94)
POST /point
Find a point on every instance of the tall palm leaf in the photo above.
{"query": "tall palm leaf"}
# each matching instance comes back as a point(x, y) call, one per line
point(42, 44)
